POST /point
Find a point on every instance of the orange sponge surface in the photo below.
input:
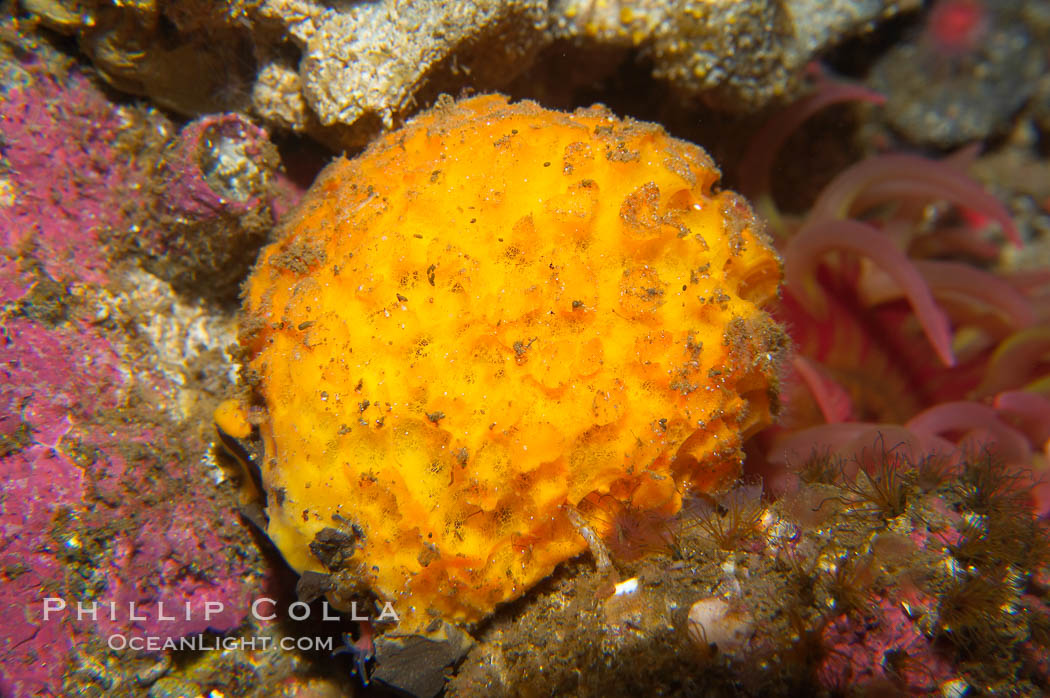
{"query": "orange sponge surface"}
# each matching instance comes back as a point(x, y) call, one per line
point(486, 317)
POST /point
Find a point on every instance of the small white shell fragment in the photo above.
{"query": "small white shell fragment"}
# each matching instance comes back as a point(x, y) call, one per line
point(628, 586)
point(712, 622)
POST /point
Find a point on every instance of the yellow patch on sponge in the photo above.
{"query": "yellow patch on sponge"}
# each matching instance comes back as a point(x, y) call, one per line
point(489, 315)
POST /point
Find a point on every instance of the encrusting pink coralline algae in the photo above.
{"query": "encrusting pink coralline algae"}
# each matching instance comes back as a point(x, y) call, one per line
point(102, 502)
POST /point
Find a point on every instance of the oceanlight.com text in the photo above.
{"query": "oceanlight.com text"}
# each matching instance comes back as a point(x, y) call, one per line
point(153, 643)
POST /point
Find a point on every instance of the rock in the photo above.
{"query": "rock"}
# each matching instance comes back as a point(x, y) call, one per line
point(416, 664)
point(342, 72)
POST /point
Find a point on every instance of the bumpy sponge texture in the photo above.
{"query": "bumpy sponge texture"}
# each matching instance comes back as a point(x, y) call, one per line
point(488, 316)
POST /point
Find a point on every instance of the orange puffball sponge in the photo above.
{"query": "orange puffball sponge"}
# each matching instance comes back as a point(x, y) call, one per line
point(490, 315)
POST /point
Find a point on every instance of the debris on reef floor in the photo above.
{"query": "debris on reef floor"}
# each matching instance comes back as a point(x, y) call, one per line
point(900, 579)
point(332, 70)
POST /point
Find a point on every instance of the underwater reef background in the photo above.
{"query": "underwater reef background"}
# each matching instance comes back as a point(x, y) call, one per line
point(888, 533)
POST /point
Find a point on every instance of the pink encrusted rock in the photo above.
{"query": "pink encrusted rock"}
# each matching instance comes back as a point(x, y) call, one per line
point(217, 165)
point(214, 195)
point(61, 180)
point(105, 499)
point(882, 647)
